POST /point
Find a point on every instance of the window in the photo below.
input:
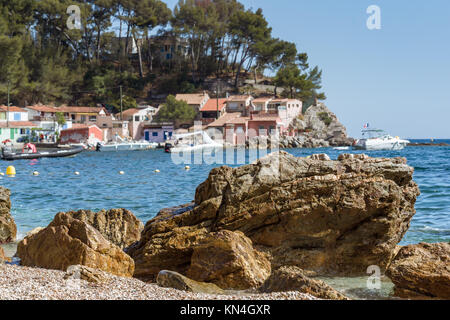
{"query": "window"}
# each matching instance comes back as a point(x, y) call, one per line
point(93, 118)
point(136, 118)
point(83, 118)
point(72, 116)
point(154, 134)
point(16, 116)
point(22, 131)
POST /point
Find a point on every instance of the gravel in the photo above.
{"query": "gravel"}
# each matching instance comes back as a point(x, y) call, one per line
point(24, 283)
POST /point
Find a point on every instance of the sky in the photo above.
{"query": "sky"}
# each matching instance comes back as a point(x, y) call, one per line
point(396, 78)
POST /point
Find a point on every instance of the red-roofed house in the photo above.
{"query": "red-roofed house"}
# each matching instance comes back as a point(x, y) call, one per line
point(212, 110)
point(240, 104)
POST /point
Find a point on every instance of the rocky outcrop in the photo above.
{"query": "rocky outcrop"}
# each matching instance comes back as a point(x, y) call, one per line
point(119, 226)
point(330, 217)
point(422, 271)
point(170, 279)
point(2, 255)
point(229, 260)
point(80, 272)
point(292, 278)
point(8, 229)
point(68, 241)
point(321, 124)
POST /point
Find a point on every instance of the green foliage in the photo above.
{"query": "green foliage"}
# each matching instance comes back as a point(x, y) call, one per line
point(127, 103)
point(174, 110)
point(60, 118)
point(325, 117)
point(42, 60)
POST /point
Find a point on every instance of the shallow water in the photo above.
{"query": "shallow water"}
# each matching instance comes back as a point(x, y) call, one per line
point(36, 199)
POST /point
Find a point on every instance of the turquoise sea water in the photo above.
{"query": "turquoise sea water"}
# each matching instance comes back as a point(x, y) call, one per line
point(36, 199)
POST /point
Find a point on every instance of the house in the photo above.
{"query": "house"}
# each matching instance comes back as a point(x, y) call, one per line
point(195, 100)
point(81, 133)
point(170, 47)
point(158, 132)
point(240, 104)
point(14, 123)
point(212, 110)
point(45, 118)
point(287, 109)
point(112, 127)
point(82, 115)
point(216, 129)
point(261, 104)
point(136, 118)
point(265, 125)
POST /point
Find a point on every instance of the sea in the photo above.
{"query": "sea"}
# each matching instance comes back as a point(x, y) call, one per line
point(99, 185)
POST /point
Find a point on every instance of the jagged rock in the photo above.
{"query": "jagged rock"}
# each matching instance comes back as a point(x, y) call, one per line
point(119, 226)
point(80, 272)
point(331, 217)
point(321, 124)
point(422, 271)
point(8, 229)
point(229, 260)
point(34, 231)
point(170, 279)
point(68, 241)
point(292, 278)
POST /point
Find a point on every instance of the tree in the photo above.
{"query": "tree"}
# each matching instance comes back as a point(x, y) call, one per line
point(175, 111)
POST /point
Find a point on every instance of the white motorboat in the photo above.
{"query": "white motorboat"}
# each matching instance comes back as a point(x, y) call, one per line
point(124, 145)
point(192, 142)
point(375, 139)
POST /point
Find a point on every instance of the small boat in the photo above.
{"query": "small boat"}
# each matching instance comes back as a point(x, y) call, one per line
point(9, 154)
point(124, 145)
point(379, 140)
point(341, 148)
point(191, 142)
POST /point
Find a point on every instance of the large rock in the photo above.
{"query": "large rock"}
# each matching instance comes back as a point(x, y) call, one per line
point(119, 226)
point(422, 270)
point(68, 241)
point(294, 279)
point(8, 229)
point(171, 279)
point(320, 123)
point(2, 255)
point(229, 260)
point(331, 217)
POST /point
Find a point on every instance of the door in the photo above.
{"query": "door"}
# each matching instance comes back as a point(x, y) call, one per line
point(11, 134)
point(147, 135)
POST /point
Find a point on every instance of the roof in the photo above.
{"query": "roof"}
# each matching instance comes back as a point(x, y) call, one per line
point(262, 99)
point(239, 98)
point(239, 120)
point(211, 105)
point(12, 109)
point(192, 98)
point(42, 108)
point(224, 119)
point(129, 112)
point(16, 124)
point(76, 109)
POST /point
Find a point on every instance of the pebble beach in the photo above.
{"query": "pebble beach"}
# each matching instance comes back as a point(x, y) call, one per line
point(24, 283)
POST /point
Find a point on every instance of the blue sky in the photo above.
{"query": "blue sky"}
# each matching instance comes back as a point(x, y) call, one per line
point(396, 78)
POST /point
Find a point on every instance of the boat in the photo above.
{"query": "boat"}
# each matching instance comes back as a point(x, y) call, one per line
point(376, 139)
point(341, 148)
point(191, 142)
point(31, 153)
point(124, 145)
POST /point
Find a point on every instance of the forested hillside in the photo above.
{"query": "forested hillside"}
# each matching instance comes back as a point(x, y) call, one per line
point(48, 56)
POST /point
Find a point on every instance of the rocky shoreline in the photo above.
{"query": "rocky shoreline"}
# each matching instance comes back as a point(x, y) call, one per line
point(260, 231)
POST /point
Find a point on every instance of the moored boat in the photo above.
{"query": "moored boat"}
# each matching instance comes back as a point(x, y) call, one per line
point(379, 140)
point(9, 154)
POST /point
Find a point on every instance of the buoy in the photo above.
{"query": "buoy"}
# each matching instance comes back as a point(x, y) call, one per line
point(77, 173)
point(187, 168)
point(11, 171)
point(157, 171)
point(35, 173)
point(121, 172)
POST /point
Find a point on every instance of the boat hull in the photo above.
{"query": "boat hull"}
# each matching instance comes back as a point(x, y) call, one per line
point(125, 147)
point(56, 153)
point(368, 145)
